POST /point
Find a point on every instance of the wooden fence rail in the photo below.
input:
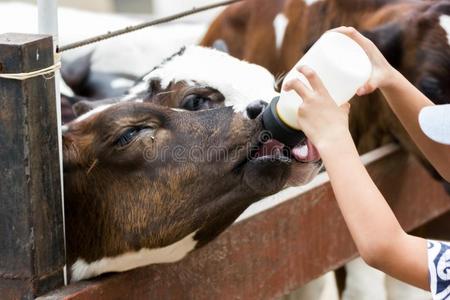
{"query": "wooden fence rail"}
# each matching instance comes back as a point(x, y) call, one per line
point(31, 230)
point(274, 251)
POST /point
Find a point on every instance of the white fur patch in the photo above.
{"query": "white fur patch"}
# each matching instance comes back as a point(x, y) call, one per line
point(137, 89)
point(64, 128)
point(240, 82)
point(172, 253)
point(279, 25)
point(130, 97)
point(310, 2)
point(65, 89)
point(444, 21)
point(121, 83)
point(92, 112)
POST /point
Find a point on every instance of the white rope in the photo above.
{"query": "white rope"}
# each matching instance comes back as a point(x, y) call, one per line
point(42, 72)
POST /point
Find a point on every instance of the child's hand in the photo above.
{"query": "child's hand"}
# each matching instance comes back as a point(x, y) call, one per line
point(382, 71)
point(323, 122)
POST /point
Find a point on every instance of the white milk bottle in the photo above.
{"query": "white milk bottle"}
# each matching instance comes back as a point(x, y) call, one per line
point(343, 67)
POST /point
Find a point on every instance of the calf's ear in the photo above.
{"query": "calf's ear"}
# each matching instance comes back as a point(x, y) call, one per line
point(389, 39)
point(82, 107)
point(76, 72)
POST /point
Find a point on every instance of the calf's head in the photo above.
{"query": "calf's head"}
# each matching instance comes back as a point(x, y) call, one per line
point(147, 184)
point(198, 78)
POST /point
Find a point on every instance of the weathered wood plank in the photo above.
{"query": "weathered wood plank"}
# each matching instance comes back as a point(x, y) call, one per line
point(438, 229)
point(31, 243)
point(277, 250)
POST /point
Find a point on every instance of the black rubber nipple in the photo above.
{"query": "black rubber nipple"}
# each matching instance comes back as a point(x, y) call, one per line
point(279, 130)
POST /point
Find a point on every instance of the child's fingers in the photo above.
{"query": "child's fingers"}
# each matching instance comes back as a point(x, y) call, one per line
point(351, 32)
point(299, 87)
point(346, 107)
point(367, 88)
point(361, 91)
point(356, 36)
point(313, 79)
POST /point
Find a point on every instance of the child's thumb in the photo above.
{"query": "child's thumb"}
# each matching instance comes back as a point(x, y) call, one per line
point(346, 107)
point(367, 88)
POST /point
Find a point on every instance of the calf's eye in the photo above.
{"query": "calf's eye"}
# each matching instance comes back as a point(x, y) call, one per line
point(129, 135)
point(195, 102)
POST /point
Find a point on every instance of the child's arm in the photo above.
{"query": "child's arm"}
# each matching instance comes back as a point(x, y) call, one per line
point(380, 240)
point(377, 234)
point(404, 99)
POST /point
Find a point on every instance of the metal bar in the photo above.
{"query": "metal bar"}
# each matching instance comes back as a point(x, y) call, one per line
point(129, 29)
point(48, 24)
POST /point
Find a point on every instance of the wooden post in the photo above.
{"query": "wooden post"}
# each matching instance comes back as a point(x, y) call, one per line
point(31, 230)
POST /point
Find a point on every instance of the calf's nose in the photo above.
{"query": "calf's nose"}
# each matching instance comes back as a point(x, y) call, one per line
point(255, 108)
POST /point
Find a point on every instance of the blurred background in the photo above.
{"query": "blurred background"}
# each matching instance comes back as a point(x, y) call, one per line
point(132, 54)
point(130, 7)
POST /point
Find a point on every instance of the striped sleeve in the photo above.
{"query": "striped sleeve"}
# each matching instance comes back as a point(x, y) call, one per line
point(439, 269)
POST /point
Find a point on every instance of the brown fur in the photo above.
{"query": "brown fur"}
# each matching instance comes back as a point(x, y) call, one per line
point(147, 194)
point(407, 32)
point(237, 25)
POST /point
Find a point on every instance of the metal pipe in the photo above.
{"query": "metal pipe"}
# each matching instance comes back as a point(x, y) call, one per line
point(48, 24)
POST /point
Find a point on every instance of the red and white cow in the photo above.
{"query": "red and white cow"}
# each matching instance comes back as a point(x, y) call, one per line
point(413, 35)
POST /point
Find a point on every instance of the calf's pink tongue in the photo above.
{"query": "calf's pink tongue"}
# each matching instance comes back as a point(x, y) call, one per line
point(305, 152)
point(271, 147)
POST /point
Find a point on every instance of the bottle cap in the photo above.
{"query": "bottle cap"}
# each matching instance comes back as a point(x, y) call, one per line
point(279, 130)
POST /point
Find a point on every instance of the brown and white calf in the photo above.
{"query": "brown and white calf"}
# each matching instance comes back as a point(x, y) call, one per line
point(162, 171)
point(413, 35)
